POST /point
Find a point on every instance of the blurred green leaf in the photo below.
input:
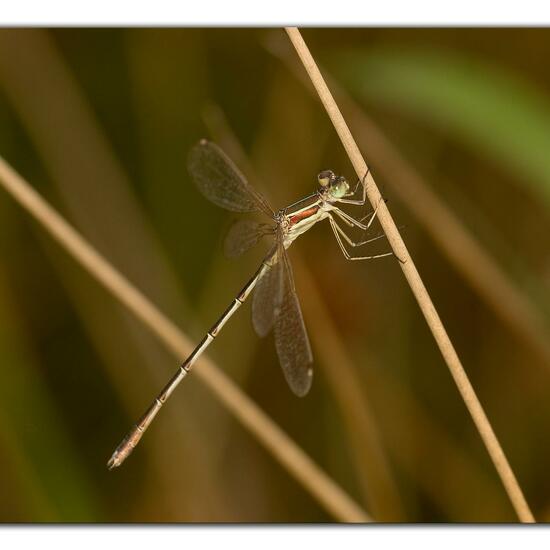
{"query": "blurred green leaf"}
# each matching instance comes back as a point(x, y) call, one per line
point(493, 111)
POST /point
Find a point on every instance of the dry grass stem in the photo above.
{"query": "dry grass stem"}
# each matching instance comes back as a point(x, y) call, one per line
point(324, 489)
point(417, 286)
point(123, 223)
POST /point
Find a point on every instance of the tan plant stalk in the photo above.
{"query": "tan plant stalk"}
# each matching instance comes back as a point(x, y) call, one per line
point(300, 465)
point(123, 223)
point(417, 286)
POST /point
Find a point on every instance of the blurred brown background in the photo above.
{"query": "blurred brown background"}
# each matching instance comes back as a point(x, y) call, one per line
point(100, 122)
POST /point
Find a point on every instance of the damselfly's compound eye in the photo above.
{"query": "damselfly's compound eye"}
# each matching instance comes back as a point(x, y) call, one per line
point(339, 188)
point(325, 178)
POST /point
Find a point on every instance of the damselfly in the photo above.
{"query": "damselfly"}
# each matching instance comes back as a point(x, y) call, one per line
point(275, 303)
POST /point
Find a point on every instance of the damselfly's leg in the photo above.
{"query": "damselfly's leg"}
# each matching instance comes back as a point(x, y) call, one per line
point(348, 239)
point(352, 222)
point(359, 182)
point(339, 233)
point(358, 202)
point(371, 213)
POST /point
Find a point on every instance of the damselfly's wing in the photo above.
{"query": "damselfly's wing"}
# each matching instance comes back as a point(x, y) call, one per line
point(268, 294)
point(291, 339)
point(243, 235)
point(221, 181)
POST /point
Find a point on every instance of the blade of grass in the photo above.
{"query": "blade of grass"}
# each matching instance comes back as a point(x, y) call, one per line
point(50, 118)
point(417, 286)
point(488, 109)
point(292, 457)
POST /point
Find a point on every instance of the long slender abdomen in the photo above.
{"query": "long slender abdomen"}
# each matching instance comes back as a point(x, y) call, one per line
point(132, 439)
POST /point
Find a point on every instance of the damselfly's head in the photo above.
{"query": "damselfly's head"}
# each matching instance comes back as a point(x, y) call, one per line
point(332, 185)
